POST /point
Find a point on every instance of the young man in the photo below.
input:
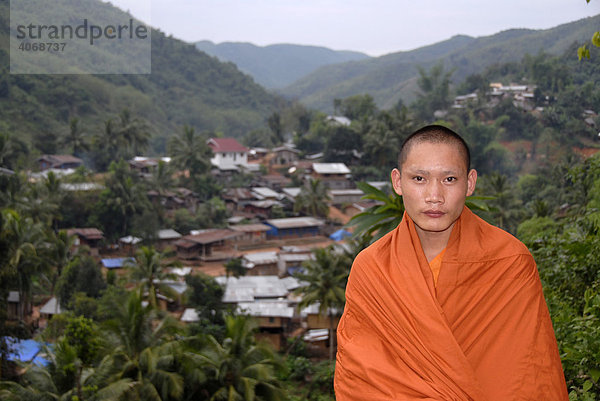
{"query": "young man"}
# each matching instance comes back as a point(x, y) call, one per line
point(446, 306)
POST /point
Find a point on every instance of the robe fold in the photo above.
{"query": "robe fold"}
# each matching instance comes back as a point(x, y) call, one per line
point(482, 333)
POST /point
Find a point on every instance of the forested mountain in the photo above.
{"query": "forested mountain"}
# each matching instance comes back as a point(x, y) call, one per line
point(393, 77)
point(186, 86)
point(279, 65)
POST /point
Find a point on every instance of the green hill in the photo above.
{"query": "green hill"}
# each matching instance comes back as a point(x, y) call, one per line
point(186, 86)
point(276, 66)
point(392, 77)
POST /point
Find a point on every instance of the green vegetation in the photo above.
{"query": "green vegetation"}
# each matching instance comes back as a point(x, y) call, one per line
point(392, 77)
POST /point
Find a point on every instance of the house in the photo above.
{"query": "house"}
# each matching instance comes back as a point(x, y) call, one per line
point(285, 155)
point(237, 198)
point(333, 175)
point(166, 238)
point(50, 308)
point(338, 120)
point(88, 236)
point(274, 181)
point(13, 307)
point(175, 199)
point(340, 196)
point(129, 243)
point(274, 320)
point(293, 227)
point(144, 166)
point(210, 244)
point(263, 208)
point(251, 233)
point(317, 320)
point(290, 259)
point(228, 154)
point(190, 316)
point(59, 162)
point(262, 193)
point(261, 263)
point(117, 263)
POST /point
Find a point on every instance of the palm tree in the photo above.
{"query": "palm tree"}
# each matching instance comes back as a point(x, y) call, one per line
point(325, 278)
point(190, 152)
point(148, 270)
point(238, 368)
point(76, 139)
point(135, 132)
point(141, 363)
point(25, 241)
point(313, 199)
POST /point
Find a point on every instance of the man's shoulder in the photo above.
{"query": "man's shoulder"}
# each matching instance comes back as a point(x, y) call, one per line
point(493, 240)
point(377, 250)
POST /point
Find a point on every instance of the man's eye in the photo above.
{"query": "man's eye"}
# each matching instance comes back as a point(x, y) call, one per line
point(418, 178)
point(451, 179)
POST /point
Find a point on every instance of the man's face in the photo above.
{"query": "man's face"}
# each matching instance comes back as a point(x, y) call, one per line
point(434, 184)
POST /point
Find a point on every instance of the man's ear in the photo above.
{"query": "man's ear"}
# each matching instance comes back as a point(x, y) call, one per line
point(471, 181)
point(396, 181)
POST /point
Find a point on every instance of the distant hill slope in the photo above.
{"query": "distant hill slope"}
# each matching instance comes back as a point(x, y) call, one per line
point(392, 77)
point(279, 65)
point(186, 86)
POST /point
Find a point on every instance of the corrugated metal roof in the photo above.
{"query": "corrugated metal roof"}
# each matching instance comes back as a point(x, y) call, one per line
point(331, 168)
point(340, 192)
point(261, 258)
point(52, 307)
point(88, 232)
point(168, 233)
point(211, 235)
point(13, 296)
point(265, 193)
point(295, 222)
point(250, 227)
point(116, 263)
point(292, 192)
point(250, 288)
point(190, 316)
point(266, 309)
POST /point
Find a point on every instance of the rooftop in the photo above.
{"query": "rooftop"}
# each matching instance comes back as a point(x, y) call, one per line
point(226, 145)
point(250, 227)
point(294, 222)
point(249, 288)
point(331, 168)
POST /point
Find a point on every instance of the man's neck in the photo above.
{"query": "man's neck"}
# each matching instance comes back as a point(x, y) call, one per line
point(433, 242)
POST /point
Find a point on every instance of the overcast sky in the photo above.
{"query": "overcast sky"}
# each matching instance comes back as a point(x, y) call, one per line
point(375, 27)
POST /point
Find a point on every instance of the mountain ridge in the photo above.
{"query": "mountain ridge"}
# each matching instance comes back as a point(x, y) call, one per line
point(392, 77)
point(286, 62)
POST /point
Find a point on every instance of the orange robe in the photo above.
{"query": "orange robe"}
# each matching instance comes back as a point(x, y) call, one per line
point(484, 333)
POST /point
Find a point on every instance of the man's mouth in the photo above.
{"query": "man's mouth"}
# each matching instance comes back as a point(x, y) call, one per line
point(434, 213)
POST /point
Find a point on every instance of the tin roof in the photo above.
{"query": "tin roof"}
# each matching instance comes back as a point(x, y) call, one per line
point(226, 145)
point(250, 288)
point(294, 222)
point(266, 309)
point(209, 236)
point(250, 227)
point(190, 315)
point(331, 168)
point(168, 233)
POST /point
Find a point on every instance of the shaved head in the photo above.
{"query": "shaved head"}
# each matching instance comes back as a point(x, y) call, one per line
point(435, 134)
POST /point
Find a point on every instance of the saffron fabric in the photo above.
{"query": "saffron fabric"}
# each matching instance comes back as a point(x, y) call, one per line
point(436, 264)
point(483, 333)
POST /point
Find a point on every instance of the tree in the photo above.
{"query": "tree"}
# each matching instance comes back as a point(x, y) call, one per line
point(434, 91)
point(82, 274)
point(190, 152)
point(238, 368)
point(149, 271)
point(583, 51)
point(135, 132)
point(313, 199)
point(357, 107)
point(76, 139)
point(326, 278)
point(235, 267)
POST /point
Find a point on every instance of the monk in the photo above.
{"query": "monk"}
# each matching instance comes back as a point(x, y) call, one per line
point(446, 306)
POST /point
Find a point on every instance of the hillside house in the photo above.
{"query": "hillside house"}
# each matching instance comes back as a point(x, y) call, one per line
point(261, 263)
point(285, 155)
point(210, 244)
point(251, 233)
point(89, 236)
point(144, 166)
point(228, 154)
point(59, 162)
point(293, 227)
point(333, 175)
point(341, 196)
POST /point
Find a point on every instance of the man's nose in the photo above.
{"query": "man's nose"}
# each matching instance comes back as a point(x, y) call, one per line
point(434, 192)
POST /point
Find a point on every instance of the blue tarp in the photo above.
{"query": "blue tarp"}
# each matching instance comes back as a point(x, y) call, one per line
point(340, 235)
point(25, 351)
point(116, 263)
